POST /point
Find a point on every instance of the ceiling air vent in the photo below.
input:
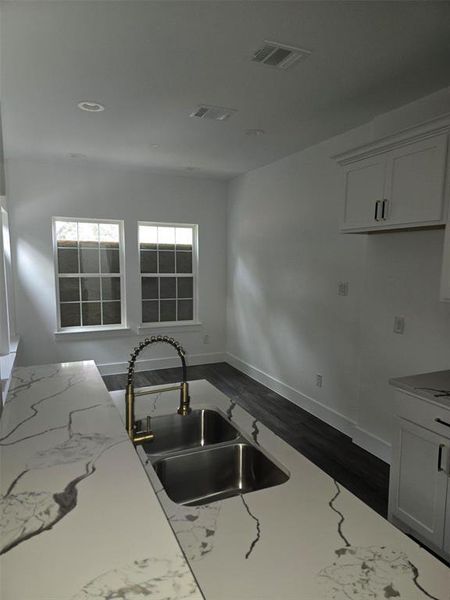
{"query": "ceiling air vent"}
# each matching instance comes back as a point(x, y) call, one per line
point(280, 56)
point(214, 113)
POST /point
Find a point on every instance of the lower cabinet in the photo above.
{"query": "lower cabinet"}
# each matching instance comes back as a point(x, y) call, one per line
point(419, 481)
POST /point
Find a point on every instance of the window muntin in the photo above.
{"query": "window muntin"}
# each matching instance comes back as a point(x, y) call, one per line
point(168, 259)
point(89, 273)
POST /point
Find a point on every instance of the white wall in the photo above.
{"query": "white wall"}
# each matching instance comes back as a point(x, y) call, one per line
point(73, 188)
point(286, 322)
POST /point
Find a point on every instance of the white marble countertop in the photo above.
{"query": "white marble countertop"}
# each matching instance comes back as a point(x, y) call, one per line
point(78, 518)
point(307, 539)
point(433, 387)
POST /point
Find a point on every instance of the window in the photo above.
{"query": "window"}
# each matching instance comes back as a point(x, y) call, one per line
point(89, 273)
point(7, 318)
point(168, 260)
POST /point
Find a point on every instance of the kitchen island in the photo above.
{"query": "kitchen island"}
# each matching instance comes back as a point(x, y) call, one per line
point(84, 516)
point(306, 539)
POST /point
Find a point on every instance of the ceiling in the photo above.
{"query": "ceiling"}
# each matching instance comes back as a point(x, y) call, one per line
point(151, 64)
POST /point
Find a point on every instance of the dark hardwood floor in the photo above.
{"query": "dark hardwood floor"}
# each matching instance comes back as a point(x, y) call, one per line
point(359, 471)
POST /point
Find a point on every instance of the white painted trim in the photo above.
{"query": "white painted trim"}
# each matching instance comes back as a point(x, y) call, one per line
point(93, 332)
point(319, 410)
point(372, 443)
point(362, 438)
point(151, 364)
point(171, 325)
point(7, 364)
point(415, 133)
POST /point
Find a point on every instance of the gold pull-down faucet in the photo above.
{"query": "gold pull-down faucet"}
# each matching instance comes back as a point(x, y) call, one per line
point(138, 437)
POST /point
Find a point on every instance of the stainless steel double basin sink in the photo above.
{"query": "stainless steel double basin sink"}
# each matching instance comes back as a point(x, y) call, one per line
point(201, 458)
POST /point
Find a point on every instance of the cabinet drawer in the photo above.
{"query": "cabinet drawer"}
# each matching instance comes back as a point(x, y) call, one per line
point(423, 412)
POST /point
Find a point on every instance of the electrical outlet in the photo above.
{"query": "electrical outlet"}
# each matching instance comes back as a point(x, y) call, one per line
point(343, 288)
point(399, 324)
point(206, 339)
point(319, 380)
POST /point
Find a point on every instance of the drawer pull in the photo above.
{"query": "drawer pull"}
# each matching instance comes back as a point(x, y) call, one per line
point(442, 422)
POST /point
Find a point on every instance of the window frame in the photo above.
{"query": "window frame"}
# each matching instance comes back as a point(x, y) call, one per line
point(123, 301)
point(8, 326)
point(143, 325)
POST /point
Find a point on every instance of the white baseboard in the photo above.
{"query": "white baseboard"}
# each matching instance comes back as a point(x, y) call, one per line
point(362, 438)
point(151, 364)
point(372, 444)
point(319, 410)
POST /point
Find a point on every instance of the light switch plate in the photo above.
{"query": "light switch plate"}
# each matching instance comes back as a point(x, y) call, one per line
point(343, 288)
point(399, 324)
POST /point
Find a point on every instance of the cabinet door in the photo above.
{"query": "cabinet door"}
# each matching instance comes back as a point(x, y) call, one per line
point(364, 187)
point(447, 524)
point(418, 485)
point(415, 182)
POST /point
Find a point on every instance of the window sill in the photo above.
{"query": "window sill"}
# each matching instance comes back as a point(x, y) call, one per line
point(170, 325)
point(93, 333)
point(7, 363)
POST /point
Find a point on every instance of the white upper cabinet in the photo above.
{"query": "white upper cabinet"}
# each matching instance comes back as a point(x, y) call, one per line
point(415, 182)
point(398, 182)
point(364, 191)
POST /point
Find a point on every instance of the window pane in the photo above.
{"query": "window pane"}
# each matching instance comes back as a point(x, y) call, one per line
point(67, 260)
point(89, 260)
point(111, 288)
point(110, 261)
point(149, 288)
point(109, 232)
point(167, 287)
point(87, 244)
point(148, 234)
point(111, 313)
point(185, 287)
point(168, 310)
point(88, 232)
point(184, 262)
point(90, 288)
point(166, 262)
point(70, 315)
point(66, 230)
point(148, 261)
point(183, 236)
point(91, 313)
point(150, 311)
point(185, 310)
point(166, 235)
point(69, 289)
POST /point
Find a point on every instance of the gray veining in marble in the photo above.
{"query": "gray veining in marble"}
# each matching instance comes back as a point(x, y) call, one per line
point(155, 578)
point(368, 572)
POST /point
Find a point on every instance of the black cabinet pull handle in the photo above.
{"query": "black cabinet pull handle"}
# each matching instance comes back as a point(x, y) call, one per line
point(384, 210)
point(442, 422)
point(441, 447)
point(377, 204)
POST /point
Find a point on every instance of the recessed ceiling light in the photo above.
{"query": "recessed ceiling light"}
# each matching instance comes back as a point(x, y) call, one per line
point(90, 106)
point(76, 155)
point(254, 132)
